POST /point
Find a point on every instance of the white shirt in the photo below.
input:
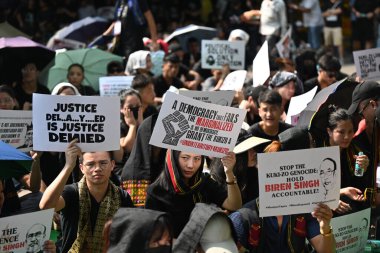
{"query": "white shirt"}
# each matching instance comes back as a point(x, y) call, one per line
point(313, 18)
point(273, 17)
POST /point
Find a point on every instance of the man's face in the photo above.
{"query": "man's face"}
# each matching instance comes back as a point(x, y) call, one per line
point(34, 238)
point(327, 173)
point(327, 76)
point(367, 109)
point(147, 95)
point(170, 70)
point(97, 167)
point(270, 114)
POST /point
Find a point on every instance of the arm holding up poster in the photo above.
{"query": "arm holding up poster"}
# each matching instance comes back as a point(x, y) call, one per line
point(233, 200)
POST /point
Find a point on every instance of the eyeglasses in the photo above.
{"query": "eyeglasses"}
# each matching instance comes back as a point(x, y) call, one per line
point(362, 110)
point(102, 165)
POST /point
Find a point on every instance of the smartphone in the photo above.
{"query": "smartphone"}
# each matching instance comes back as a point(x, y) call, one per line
point(135, 111)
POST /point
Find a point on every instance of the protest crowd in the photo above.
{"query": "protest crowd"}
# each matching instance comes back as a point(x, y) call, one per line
point(131, 160)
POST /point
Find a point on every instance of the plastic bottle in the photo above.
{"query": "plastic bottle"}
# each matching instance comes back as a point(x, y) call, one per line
point(358, 170)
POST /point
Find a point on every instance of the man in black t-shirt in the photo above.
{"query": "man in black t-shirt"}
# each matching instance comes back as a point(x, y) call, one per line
point(87, 205)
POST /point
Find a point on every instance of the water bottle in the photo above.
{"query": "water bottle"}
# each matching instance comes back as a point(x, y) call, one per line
point(358, 170)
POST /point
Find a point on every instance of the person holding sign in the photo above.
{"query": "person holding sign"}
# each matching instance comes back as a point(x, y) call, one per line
point(182, 184)
point(87, 205)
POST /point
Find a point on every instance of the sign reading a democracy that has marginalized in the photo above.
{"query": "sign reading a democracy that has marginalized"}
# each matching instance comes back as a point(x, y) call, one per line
point(351, 231)
point(190, 125)
point(214, 97)
point(26, 232)
point(367, 63)
point(94, 121)
point(216, 53)
point(16, 129)
point(292, 182)
point(111, 85)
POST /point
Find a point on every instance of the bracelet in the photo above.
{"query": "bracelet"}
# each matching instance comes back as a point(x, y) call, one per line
point(233, 182)
point(328, 234)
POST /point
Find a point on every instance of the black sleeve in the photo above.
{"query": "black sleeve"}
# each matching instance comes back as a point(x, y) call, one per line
point(215, 193)
point(71, 197)
point(126, 200)
point(152, 202)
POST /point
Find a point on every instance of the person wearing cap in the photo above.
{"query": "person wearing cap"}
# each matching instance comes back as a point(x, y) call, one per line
point(245, 168)
point(328, 67)
point(270, 111)
point(285, 233)
point(168, 77)
point(208, 230)
point(285, 84)
point(182, 184)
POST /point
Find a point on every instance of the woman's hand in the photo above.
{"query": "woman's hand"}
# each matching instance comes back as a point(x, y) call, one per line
point(49, 246)
point(343, 207)
point(323, 214)
point(353, 193)
point(229, 162)
point(363, 161)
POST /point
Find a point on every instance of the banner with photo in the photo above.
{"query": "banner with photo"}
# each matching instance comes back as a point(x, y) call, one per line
point(112, 85)
point(26, 232)
point(351, 231)
point(283, 46)
point(216, 53)
point(93, 120)
point(221, 97)
point(367, 63)
point(292, 182)
point(190, 125)
point(16, 129)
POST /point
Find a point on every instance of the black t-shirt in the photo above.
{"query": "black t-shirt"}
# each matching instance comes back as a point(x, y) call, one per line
point(23, 97)
point(86, 90)
point(180, 206)
point(334, 20)
point(257, 131)
point(70, 214)
point(160, 85)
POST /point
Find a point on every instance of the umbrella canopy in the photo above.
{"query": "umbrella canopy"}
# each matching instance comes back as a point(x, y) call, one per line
point(15, 52)
point(94, 62)
point(6, 30)
point(13, 163)
point(316, 114)
point(192, 31)
point(84, 30)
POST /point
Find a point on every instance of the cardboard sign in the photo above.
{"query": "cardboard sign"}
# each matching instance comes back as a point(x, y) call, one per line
point(234, 80)
point(260, 66)
point(189, 125)
point(216, 53)
point(214, 97)
point(367, 63)
point(112, 85)
point(93, 120)
point(16, 129)
point(351, 231)
point(292, 182)
point(26, 232)
point(283, 46)
point(297, 105)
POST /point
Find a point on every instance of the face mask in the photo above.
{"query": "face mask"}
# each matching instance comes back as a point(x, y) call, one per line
point(161, 249)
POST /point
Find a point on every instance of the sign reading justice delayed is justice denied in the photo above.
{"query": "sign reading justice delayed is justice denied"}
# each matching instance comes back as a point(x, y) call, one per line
point(93, 120)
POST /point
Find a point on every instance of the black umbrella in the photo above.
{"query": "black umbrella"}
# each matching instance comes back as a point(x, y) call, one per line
point(16, 52)
point(315, 116)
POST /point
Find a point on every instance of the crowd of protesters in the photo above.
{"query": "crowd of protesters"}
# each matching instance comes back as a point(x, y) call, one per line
point(142, 198)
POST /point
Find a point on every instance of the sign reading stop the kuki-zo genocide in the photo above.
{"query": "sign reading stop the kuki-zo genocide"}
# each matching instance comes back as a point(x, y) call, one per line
point(112, 85)
point(26, 232)
point(367, 63)
point(94, 121)
point(16, 129)
point(214, 97)
point(292, 182)
point(351, 231)
point(216, 53)
point(190, 125)
point(260, 66)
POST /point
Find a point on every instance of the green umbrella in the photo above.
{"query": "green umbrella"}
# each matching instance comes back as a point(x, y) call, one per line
point(94, 62)
point(13, 163)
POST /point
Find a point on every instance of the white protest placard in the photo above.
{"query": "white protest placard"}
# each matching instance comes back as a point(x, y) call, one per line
point(190, 125)
point(283, 46)
point(351, 231)
point(216, 53)
point(111, 85)
point(220, 97)
point(297, 105)
point(26, 232)
point(260, 66)
point(367, 63)
point(16, 129)
point(93, 120)
point(234, 80)
point(292, 182)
